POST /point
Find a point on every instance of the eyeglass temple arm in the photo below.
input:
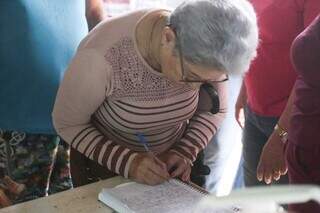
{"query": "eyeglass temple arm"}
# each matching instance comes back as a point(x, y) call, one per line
point(214, 97)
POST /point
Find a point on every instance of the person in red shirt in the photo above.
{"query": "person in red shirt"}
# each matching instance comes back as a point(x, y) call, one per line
point(267, 85)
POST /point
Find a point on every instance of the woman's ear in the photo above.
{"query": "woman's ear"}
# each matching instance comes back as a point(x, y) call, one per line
point(168, 37)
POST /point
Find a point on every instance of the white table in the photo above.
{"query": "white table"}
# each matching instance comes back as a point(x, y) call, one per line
point(82, 199)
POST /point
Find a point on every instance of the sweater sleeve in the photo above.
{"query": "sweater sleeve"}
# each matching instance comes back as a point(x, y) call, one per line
point(86, 84)
point(203, 125)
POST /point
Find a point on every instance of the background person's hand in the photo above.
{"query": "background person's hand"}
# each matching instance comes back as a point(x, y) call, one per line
point(239, 114)
point(147, 169)
point(272, 163)
point(239, 107)
point(177, 165)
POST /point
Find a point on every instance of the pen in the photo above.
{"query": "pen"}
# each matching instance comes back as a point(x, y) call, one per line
point(144, 142)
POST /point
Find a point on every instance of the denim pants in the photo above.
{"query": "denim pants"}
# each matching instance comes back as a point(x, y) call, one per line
point(256, 132)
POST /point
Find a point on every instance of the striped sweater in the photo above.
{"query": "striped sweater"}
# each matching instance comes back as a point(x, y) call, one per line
point(109, 94)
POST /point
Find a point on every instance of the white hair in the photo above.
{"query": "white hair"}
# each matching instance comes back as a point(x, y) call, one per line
point(222, 34)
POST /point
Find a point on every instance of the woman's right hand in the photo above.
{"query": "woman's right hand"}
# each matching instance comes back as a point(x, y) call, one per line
point(148, 169)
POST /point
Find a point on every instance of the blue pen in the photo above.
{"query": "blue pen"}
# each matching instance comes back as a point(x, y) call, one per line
point(144, 142)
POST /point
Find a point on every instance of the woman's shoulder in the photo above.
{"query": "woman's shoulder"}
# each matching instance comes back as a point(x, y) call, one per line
point(113, 29)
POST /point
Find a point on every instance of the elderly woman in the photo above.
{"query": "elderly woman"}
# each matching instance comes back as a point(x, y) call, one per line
point(133, 87)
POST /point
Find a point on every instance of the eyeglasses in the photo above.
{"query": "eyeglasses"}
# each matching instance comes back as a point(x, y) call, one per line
point(184, 76)
point(183, 72)
point(205, 84)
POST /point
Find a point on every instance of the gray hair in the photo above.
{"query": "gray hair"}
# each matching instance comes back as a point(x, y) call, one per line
point(222, 34)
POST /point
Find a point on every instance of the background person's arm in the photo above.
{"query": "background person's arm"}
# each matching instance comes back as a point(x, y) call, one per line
point(240, 104)
point(94, 12)
point(272, 163)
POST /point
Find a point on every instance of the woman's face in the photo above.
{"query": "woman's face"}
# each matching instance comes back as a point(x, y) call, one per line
point(193, 75)
point(176, 68)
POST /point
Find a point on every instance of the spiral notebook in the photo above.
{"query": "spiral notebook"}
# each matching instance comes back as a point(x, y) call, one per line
point(173, 196)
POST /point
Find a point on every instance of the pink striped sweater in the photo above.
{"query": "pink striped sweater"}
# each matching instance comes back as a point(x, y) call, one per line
point(109, 94)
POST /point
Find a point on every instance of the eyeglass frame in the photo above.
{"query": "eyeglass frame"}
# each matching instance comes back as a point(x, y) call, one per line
point(183, 72)
point(206, 84)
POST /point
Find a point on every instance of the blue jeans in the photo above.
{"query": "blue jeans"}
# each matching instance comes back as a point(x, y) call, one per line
point(256, 132)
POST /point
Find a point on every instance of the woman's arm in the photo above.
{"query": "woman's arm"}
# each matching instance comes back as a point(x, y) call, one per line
point(203, 125)
point(85, 86)
point(83, 89)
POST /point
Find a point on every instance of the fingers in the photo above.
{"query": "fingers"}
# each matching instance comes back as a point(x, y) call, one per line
point(267, 174)
point(177, 165)
point(267, 178)
point(272, 175)
point(172, 162)
point(283, 169)
point(183, 171)
point(149, 170)
point(152, 178)
point(186, 175)
point(276, 175)
point(260, 172)
point(264, 174)
point(272, 164)
point(161, 163)
point(159, 170)
point(280, 169)
point(181, 168)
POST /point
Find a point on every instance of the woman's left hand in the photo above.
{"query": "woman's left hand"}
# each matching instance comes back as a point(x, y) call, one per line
point(177, 165)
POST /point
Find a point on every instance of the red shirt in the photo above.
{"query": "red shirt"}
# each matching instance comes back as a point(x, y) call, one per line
point(305, 115)
point(271, 76)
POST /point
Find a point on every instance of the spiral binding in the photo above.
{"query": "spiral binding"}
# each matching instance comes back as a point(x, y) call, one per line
point(193, 186)
point(204, 192)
